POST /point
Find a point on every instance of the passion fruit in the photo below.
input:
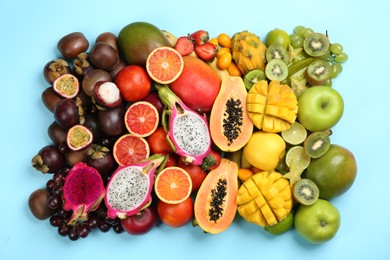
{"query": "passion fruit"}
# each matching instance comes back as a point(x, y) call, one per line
point(78, 137)
point(66, 86)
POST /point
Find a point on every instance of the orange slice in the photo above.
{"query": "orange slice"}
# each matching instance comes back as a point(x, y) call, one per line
point(129, 149)
point(141, 118)
point(173, 185)
point(164, 65)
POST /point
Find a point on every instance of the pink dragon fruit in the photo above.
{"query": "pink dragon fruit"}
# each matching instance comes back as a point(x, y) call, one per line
point(188, 131)
point(82, 192)
point(129, 189)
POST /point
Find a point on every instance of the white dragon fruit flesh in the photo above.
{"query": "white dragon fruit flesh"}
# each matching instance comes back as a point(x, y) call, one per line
point(129, 189)
point(188, 131)
point(82, 192)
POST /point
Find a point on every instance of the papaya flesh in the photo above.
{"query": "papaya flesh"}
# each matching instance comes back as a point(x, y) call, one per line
point(215, 203)
point(137, 40)
point(230, 124)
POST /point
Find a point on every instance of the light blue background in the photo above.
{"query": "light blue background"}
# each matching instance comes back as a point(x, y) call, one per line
point(29, 34)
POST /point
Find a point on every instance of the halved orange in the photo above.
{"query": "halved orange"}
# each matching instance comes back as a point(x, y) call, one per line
point(141, 118)
point(129, 149)
point(164, 65)
point(173, 185)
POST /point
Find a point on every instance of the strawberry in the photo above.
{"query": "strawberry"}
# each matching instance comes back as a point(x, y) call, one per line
point(206, 51)
point(211, 161)
point(184, 45)
point(200, 37)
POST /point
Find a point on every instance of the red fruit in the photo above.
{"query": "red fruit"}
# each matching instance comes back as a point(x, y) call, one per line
point(200, 37)
point(133, 82)
point(206, 51)
point(176, 215)
point(184, 45)
point(158, 142)
point(153, 98)
point(198, 85)
point(172, 159)
point(211, 161)
point(196, 173)
point(141, 222)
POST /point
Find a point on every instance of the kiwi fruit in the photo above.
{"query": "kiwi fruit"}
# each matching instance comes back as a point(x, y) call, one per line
point(276, 70)
point(277, 51)
point(318, 72)
point(316, 44)
point(305, 191)
point(252, 77)
point(317, 144)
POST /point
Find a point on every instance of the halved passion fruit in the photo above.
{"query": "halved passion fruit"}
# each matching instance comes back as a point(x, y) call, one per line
point(78, 137)
point(66, 85)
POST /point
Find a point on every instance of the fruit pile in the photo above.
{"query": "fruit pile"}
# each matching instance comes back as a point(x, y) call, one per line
point(148, 126)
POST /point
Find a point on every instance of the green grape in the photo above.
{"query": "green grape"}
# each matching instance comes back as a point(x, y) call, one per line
point(328, 83)
point(335, 70)
point(340, 58)
point(307, 32)
point(336, 48)
point(296, 41)
point(299, 30)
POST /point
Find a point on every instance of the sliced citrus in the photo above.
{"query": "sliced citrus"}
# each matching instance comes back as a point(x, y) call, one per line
point(173, 185)
point(141, 118)
point(164, 65)
point(298, 155)
point(130, 149)
point(294, 135)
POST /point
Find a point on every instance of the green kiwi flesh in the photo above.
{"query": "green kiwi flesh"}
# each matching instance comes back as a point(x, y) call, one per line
point(318, 72)
point(305, 191)
point(317, 144)
point(316, 44)
point(253, 77)
point(277, 51)
point(276, 70)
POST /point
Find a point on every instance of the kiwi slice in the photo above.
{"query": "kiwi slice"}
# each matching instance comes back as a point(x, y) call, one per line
point(276, 70)
point(317, 144)
point(305, 191)
point(316, 44)
point(252, 77)
point(318, 72)
point(277, 51)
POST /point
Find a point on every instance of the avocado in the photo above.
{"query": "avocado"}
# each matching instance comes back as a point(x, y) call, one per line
point(136, 40)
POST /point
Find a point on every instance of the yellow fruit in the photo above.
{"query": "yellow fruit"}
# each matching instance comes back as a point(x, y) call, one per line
point(224, 61)
point(214, 41)
point(248, 51)
point(244, 174)
point(264, 150)
point(224, 40)
point(222, 51)
point(234, 70)
point(272, 107)
point(265, 199)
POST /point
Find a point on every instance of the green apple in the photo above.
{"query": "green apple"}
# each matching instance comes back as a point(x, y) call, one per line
point(318, 222)
point(320, 108)
point(334, 172)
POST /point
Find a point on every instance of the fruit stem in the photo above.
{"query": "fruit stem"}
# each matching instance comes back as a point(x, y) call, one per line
point(168, 98)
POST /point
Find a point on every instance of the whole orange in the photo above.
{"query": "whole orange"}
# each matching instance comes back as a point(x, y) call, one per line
point(158, 142)
point(176, 215)
point(133, 82)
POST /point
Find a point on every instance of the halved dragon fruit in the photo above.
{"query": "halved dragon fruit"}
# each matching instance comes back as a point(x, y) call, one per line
point(82, 192)
point(129, 189)
point(188, 131)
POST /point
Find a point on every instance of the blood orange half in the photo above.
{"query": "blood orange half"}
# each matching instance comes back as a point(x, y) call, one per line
point(173, 185)
point(141, 118)
point(164, 65)
point(130, 149)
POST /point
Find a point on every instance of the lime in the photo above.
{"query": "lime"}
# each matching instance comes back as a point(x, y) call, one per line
point(299, 156)
point(294, 135)
point(281, 227)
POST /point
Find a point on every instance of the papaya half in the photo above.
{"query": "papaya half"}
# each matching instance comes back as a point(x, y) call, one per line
point(215, 203)
point(230, 125)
